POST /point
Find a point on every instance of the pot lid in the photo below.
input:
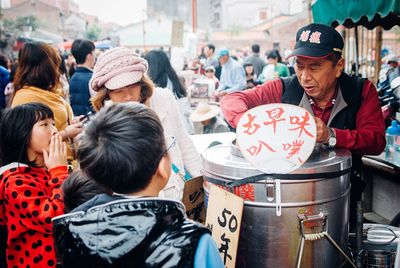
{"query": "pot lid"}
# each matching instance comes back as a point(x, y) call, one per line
point(225, 161)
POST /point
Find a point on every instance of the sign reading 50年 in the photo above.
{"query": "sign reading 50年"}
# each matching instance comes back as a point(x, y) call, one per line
point(224, 215)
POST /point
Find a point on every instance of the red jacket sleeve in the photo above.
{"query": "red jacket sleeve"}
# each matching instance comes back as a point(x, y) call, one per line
point(369, 135)
point(36, 202)
point(234, 105)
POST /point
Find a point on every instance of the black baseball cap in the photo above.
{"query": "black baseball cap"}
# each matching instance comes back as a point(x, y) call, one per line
point(317, 41)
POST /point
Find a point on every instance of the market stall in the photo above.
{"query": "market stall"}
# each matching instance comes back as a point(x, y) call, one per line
point(366, 19)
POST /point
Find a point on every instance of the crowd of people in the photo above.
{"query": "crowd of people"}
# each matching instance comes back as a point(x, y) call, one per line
point(235, 74)
point(147, 145)
point(126, 120)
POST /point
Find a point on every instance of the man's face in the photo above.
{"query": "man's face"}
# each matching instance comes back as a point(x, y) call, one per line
point(318, 76)
point(208, 51)
point(223, 59)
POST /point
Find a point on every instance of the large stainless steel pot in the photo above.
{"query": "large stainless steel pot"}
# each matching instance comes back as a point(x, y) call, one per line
point(314, 199)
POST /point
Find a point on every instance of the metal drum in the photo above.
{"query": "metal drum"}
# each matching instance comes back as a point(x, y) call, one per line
point(380, 243)
point(313, 203)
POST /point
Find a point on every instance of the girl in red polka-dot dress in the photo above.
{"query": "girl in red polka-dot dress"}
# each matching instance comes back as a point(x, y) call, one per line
point(34, 164)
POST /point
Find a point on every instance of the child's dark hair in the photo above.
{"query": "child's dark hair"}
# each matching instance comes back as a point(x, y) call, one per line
point(16, 130)
point(78, 189)
point(246, 65)
point(122, 147)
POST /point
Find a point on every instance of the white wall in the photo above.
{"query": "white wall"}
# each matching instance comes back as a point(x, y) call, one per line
point(245, 13)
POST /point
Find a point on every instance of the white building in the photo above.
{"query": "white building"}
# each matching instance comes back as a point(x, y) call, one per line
point(242, 14)
point(152, 33)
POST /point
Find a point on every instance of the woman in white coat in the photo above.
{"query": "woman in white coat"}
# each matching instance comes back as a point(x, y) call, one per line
point(120, 76)
point(163, 75)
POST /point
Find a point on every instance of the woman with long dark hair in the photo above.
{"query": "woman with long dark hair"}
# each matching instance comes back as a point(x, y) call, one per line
point(163, 75)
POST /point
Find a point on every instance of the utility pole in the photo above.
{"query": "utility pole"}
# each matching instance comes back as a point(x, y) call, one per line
point(309, 4)
point(144, 31)
point(194, 15)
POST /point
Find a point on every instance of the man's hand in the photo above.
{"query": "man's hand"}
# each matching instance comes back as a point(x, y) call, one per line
point(322, 131)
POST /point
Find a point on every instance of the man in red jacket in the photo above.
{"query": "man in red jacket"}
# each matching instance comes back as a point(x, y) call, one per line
point(346, 109)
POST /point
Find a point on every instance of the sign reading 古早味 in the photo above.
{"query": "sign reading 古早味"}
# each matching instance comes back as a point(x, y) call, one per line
point(276, 138)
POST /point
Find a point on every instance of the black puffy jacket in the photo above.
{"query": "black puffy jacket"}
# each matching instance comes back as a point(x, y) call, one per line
point(145, 232)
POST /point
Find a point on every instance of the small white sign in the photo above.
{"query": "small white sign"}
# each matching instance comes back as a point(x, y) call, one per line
point(224, 216)
point(193, 199)
point(276, 138)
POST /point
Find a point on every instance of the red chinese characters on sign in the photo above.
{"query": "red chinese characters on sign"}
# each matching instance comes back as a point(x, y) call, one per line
point(251, 126)
point(246, 192)
point(255, 150)
point(274, 115)
point(276, 137)
point(293, 148)
point(302, 122)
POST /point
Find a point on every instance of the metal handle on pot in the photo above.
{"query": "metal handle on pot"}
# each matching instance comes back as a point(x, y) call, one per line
point(273, 191)
point(322, 216)
point(269, 190)
point(278, 200)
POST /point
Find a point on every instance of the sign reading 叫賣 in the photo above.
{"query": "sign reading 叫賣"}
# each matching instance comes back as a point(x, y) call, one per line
point(276, 138)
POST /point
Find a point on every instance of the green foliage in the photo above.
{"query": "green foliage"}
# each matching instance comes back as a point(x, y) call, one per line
point(9, 25)
point(93, 33)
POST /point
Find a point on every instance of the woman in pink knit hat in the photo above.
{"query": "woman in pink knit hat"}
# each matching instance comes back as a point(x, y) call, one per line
point(120, 76)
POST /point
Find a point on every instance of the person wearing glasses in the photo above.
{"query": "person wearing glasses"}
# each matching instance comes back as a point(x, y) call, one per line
point(120, 75)
point(132, 226)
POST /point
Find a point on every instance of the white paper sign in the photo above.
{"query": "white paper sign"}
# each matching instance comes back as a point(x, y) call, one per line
point(276, 138)
point(224, 217)
point(193, 199)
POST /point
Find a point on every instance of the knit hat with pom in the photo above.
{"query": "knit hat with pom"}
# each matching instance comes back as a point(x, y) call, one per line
point(117, 68)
